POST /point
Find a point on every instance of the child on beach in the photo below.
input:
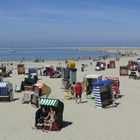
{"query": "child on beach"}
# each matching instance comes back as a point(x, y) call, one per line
point(78, 92)
point(72, 88)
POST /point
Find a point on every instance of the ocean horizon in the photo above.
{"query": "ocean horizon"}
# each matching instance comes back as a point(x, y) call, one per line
point(17, 53)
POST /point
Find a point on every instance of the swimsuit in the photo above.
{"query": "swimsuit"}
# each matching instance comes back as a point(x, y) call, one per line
point(51, 120)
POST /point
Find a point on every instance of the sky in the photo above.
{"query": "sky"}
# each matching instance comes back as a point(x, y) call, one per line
point(70, 23)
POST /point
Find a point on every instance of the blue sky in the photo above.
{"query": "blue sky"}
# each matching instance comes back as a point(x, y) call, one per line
point(70, 22)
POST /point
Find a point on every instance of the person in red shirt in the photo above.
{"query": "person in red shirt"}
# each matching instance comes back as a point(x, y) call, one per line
point(78, 92)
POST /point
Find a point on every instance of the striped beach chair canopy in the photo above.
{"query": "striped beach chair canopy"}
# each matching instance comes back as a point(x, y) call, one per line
point(46, 102)
point(3, 84)
point(5, 89)
point(102, 83)
point(49, 102)
point(39, 85)
point(46, 90)
point(102, 98)
point(112, 78)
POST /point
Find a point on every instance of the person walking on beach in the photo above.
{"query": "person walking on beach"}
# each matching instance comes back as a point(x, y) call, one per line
point(72, 87)
point(78, 92)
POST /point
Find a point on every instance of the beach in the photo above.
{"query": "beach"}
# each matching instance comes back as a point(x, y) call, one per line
point(82, 120)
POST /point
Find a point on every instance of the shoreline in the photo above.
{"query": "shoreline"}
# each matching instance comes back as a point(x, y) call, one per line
point(114, 51)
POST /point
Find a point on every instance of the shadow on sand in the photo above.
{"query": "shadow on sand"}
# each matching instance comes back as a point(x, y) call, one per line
point(120, 96)
point(5, 100)
point(66, 124)
point(82, 102)
point(15, 99)
point(111, 106)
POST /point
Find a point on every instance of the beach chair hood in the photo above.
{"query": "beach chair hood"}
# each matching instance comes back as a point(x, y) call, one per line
point(57, 104)
point(46, 90)
point(102, 83)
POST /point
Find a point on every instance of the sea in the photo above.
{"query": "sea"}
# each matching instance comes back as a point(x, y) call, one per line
point(48, 53)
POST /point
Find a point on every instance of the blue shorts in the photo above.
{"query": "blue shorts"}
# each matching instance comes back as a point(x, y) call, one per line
point(40, 120)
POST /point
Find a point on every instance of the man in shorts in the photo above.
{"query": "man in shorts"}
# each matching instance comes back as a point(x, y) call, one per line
point(78, 92)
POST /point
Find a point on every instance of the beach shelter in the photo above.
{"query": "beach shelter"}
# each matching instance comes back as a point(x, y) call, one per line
point(89, 80)
point(55, 74)
point(48, 69)
point(73, 75)
point(100, 66)
point(103, 94)
point(66, 78)
point(1, 76)
point(6, 91)
point(32, 71)
point(71, 64)
point(29, 80)
point(115, 85)
point(59, 69)
point(39, 90)
point(42, 89)
point(130, 64)
point(21, 69)
point(134, 74)
point(112, 64)
point(56, 104)
point(3, 70)
point(123, 71)
point(66, 73)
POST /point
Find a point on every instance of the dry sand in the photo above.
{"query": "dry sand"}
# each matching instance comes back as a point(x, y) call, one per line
point(84, 121)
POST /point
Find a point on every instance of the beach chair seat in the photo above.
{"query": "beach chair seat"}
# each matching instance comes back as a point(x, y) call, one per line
point(39, 126)
point(55, 126)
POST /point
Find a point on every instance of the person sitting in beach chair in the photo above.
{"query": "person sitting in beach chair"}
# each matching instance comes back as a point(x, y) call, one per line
point(40, 115)
point(50, 119)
